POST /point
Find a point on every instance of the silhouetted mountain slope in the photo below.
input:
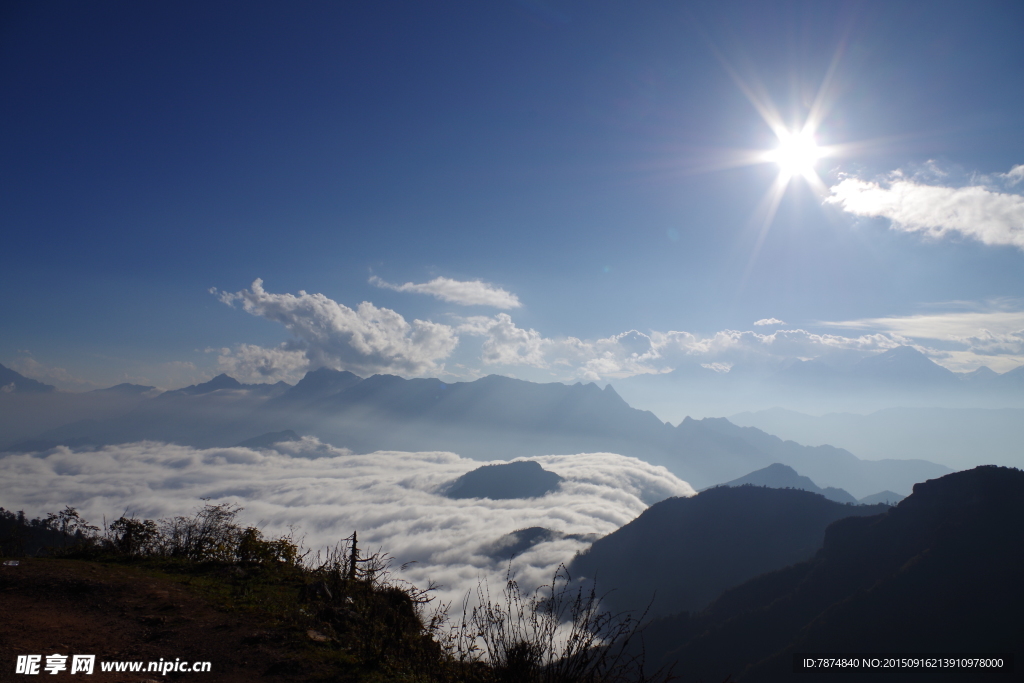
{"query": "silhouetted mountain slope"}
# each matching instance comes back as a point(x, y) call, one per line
point(224, 381)
point(522, 479)
point(779, 476)
point(15, 382)
point(938, 573)
point(689, 550)
point(315, 385)
point(126, 389)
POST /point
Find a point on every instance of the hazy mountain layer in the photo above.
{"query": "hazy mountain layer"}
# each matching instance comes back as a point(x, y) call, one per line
point(779, 476)
point(899, 377)
point(954, 437)
point(14, 382)
point(491, 418)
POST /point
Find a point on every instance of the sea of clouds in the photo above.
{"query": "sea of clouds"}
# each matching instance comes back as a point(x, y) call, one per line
point(391, 498)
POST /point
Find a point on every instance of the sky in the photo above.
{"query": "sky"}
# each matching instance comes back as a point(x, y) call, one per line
point(557, 191)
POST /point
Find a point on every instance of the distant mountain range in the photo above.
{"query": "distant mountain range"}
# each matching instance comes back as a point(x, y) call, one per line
point(955, 437)
point(14, 382)
point(938, 573)
point(681, 553)
point(488, 419)
point(903, 367)
point(779, 476)
point(898, 377)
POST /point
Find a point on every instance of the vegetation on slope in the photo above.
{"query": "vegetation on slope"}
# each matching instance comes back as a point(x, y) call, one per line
point(344, 615)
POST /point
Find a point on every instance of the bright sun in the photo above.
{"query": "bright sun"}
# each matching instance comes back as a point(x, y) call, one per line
point(796, 154)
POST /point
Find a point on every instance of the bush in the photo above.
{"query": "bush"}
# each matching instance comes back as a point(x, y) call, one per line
point(556, 635)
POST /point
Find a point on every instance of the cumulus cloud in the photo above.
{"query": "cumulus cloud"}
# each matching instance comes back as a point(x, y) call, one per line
point(250, 363)
point(974, 211)
point(371, 340)
point(633, 353)
point(1015, 175)
point(390, 498)
point(365, 340)
point(465, 293)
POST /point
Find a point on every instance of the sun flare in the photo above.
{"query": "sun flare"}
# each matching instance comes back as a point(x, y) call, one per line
point(796, 154)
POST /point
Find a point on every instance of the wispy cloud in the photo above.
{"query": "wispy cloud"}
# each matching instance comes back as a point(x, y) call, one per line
point(769, 321)
point(463, 292)
point(976, 211)
point(993, 337)
point(390, 498)
point(951, 326)
point(364, 340)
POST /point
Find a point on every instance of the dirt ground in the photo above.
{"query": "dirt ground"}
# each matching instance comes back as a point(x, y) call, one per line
point(122, 613)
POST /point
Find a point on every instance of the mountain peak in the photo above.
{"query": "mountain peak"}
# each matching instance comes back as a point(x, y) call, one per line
point(903, 363)
point(15, 382)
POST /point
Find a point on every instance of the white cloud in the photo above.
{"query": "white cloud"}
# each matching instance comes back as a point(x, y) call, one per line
point(249, 363)
point(987, 337)
point(28, 366)
point(634, 353)
point(388, 497)
point(366, 340)
point(955, 326)
point(717, 367)
point(371, 339)
point(1015, 175)
point(769, 321)
point(974, 211)
point(466, 293)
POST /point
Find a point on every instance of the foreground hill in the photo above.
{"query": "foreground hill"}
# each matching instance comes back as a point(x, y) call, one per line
point(123, 613)
point(681, 553)
point(939, 573)
point(490, 418)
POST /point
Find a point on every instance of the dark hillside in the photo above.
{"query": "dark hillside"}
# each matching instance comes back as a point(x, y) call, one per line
point(939, 573)
point(689, 550)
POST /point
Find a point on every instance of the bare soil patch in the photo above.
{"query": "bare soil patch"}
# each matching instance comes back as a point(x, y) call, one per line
point(125, 613)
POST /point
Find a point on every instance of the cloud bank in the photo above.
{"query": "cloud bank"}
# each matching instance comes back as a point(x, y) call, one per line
point(365, 340)
point(369, 340)
point(388, 497)
point(977, 212)
point(465, 293)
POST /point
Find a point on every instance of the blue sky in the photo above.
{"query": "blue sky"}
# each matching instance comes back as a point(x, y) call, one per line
point(545, 176)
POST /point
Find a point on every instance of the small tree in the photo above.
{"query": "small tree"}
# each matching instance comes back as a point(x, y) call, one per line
point(134, 537)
